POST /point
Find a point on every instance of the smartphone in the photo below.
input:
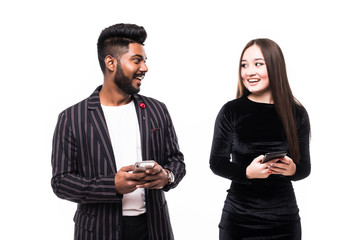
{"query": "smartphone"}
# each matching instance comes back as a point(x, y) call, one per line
point(143, 165)
point(273, 155)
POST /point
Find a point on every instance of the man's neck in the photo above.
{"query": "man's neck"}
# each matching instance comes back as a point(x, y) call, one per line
point(111, 95)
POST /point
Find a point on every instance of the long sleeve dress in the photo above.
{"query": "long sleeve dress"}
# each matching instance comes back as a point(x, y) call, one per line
point(257, 208)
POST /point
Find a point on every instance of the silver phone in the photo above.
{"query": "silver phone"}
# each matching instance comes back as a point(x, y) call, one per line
point(143, 165)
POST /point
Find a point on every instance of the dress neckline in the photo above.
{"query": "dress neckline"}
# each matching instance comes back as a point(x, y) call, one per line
point(259, 103)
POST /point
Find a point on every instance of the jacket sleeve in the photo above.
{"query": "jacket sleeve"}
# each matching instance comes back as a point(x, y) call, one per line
point(66, 181)
point(174, 159)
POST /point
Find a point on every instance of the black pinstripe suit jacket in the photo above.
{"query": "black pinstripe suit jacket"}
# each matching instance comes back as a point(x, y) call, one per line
point(83, 167)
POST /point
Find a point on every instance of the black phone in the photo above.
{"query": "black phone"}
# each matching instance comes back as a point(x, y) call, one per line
point(273, 155)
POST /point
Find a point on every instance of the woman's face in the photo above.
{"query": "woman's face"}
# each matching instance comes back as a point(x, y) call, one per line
point(254, 73)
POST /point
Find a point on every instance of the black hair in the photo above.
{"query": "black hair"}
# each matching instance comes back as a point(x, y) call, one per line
point(115, 40)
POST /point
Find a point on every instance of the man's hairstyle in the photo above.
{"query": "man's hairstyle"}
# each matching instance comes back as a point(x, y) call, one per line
point(115, 40)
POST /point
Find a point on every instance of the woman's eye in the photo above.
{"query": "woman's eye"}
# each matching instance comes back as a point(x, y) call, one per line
point(243, 65)
point(258, 64)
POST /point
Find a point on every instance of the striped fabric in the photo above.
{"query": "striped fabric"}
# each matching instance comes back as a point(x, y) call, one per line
point(84, 167)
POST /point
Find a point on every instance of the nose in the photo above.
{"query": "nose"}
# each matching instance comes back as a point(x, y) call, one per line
point(143, 67)
point(250, 71)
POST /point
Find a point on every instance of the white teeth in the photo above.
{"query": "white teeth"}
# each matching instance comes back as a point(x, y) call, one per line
point(253, 80)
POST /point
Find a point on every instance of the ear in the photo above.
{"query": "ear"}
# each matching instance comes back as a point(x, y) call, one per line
point(110, 63)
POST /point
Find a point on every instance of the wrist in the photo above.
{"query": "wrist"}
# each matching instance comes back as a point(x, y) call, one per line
point(294, 169)
point(170, 177)
point(247, 173)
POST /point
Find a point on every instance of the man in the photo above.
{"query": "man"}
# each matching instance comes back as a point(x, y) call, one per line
point(97, 141)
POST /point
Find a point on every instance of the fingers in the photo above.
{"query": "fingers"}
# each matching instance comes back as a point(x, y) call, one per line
point(259, 159)
point(155, 181)
point(127, 174)
point(276, 170)
point(256, 169)
point(153, 178)
point(127, 168)
point(127, 181)
point(155, 170)
point(139, 175)
point(285, 166)
point(152, 182)
point(286, 160)
point(156, 184)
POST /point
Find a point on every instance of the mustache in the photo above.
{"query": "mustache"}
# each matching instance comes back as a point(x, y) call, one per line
point(139, 75)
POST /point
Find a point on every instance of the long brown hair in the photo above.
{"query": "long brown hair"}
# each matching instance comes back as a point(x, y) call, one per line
point(284, 101)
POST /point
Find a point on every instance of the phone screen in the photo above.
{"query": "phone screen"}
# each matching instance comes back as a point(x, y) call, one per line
point(273, 155)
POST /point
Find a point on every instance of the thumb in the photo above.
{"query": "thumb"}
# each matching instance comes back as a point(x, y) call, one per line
point(286, 160)
point(259, 159)
point(127, 168)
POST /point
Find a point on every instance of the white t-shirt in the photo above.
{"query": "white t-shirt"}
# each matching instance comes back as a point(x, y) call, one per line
point(123, 126)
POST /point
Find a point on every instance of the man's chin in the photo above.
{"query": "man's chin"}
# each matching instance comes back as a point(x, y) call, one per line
point(129, 89)
point(134, 90)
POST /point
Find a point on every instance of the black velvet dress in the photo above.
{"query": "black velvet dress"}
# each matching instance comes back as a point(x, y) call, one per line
point(257, 208)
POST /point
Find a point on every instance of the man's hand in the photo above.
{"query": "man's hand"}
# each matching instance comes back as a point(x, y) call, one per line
point(156, 178)
point(127, 182)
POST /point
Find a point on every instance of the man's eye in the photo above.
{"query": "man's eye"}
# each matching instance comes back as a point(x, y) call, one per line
point(136, 60)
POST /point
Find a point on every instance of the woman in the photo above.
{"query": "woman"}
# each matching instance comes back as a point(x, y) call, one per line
point(264, 118)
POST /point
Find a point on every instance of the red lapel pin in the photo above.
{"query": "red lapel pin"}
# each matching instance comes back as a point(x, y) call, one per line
point(142, 105)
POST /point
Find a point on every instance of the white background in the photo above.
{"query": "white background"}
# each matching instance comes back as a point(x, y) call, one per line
point(49, 62)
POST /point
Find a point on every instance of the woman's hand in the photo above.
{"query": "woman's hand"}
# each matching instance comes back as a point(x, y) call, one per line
point(256, 169)
point(285, 167)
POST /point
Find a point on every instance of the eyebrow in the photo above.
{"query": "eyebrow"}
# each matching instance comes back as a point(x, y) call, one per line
point(139, 56)
point(254, 59)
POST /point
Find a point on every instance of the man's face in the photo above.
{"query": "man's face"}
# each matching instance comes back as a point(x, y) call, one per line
point(131, 69)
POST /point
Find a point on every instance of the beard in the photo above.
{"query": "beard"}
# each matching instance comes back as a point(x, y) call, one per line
point(123, 82)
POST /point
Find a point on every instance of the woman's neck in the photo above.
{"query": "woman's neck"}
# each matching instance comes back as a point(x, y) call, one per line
point(261, 98)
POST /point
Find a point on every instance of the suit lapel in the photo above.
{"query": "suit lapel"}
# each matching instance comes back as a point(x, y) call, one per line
point(145, 136)
point(97, 119)
point(144, 126)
